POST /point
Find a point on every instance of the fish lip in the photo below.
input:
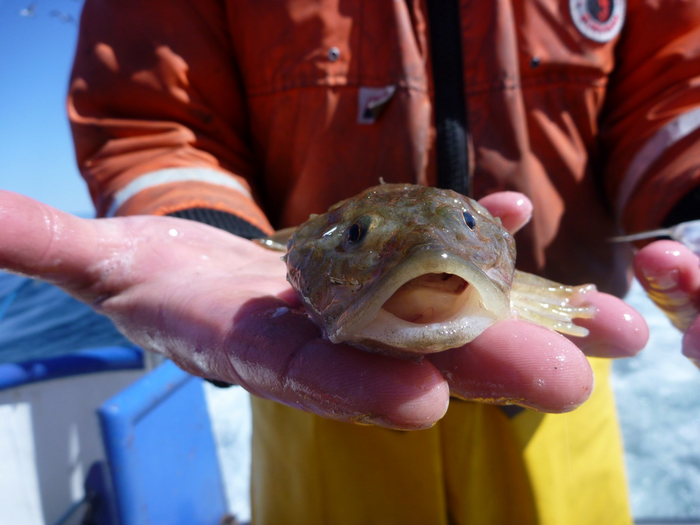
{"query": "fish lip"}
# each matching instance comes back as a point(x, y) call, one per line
point(422, 260)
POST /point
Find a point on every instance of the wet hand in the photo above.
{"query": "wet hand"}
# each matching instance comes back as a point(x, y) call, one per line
point(220, 307)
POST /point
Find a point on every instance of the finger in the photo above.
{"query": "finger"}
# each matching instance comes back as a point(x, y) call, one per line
point(670, 274)
point(616, 330)
point(516, 362)
point(514, 209)
point(342, 382)
point(277, 353)
point(40, 241)
point(93, 259)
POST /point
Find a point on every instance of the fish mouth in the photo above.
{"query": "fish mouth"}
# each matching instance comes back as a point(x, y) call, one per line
point(433, 301)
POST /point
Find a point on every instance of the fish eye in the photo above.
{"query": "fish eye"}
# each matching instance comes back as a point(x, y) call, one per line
point(469, 220)
point(358, 230)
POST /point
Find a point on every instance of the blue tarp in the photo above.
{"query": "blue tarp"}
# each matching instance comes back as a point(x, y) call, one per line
point(39, 321)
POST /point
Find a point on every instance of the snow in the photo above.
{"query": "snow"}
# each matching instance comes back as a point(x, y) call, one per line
point(658, 400)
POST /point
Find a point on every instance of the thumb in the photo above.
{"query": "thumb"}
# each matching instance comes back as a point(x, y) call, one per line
point(514, 209)
point(670, 274)
point(39, 241)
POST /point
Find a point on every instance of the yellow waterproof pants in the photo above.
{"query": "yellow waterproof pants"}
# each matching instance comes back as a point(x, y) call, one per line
point(476, 466)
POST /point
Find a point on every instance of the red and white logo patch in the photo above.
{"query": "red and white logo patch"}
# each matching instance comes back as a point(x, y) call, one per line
point(599, 20)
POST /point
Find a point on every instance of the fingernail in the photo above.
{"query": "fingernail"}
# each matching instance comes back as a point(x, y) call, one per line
point(661, 281)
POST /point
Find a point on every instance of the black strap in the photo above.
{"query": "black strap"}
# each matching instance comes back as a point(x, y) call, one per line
point(222, 220)
point(449, 104)
point(511, 410)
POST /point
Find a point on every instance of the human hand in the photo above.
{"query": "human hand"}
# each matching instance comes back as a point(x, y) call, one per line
point(220, 307)
point(670, 273)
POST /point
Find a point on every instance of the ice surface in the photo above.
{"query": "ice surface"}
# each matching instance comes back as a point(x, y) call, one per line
point(232, 426)
point(658, 399)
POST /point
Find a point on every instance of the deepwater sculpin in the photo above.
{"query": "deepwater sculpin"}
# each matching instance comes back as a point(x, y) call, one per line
point(417, 269)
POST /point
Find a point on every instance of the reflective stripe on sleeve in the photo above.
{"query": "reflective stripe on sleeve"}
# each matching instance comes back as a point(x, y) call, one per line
point(670, 134)
point(166, 176)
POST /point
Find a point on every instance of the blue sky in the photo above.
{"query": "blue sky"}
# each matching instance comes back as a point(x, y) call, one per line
point(36, 151)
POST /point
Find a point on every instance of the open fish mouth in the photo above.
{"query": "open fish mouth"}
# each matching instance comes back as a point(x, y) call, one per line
point(430, 298)
point(432, 301)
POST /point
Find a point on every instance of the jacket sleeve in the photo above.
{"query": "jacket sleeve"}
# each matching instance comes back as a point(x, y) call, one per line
point(650, 126)
point(157, 110)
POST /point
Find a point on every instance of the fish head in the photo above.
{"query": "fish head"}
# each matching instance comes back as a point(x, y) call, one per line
point(402, 266)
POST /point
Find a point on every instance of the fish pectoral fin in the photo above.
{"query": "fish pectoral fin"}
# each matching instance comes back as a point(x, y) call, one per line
point(548, 303)
point(278, 240)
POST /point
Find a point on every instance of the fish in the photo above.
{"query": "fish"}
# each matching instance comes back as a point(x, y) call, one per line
point(411, 269)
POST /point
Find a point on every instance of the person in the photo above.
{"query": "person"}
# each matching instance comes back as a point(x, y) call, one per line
point(250, 116)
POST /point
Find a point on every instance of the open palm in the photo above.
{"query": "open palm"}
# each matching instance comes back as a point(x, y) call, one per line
point(220, 307)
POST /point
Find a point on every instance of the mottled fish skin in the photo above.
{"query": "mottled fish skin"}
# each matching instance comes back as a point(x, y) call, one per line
point(338, 260)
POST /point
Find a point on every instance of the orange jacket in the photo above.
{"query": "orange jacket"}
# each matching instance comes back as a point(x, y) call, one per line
point(256, 108)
